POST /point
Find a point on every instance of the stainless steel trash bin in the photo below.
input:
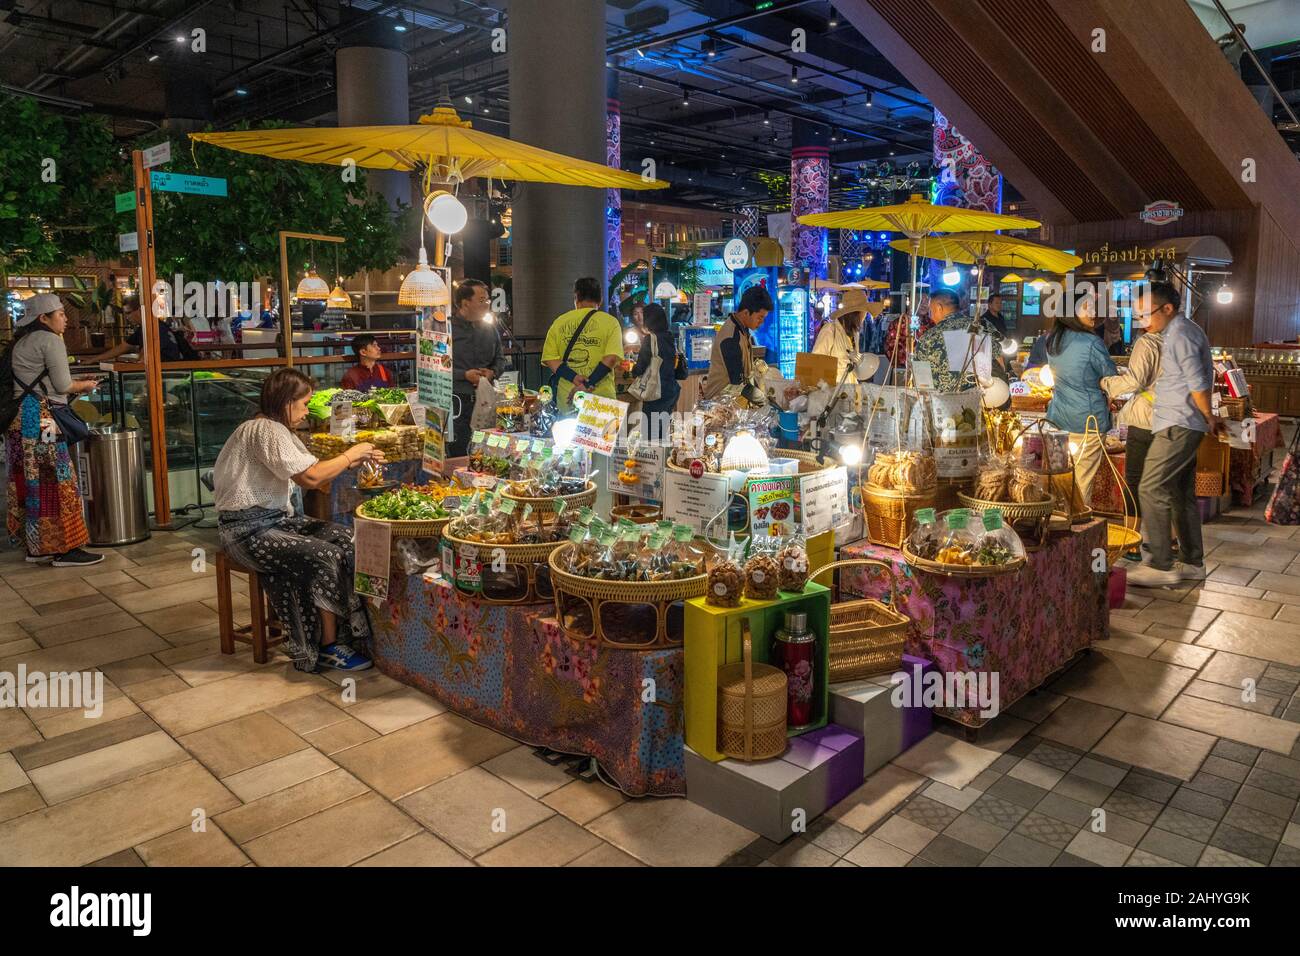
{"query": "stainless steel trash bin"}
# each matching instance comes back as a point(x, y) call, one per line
point(112, 460)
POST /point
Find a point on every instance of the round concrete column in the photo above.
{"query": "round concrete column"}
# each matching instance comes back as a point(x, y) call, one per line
point(372, 91)
point(557, 102)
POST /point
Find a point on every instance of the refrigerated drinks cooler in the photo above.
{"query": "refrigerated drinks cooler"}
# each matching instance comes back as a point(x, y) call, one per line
point(785, 333)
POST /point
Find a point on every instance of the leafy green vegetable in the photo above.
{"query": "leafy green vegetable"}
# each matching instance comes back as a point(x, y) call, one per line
point(403, 504)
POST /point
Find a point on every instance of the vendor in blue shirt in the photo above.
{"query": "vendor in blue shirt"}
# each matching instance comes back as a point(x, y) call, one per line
point(1079, 361)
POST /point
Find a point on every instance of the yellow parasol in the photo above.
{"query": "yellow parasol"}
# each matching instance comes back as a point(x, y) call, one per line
point(870, 285)
point(992, 249)
point(443, 147)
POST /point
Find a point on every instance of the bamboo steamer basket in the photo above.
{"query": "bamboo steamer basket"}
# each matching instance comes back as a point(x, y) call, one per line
point(751, 706)
point(866, 636)
point(889, 513)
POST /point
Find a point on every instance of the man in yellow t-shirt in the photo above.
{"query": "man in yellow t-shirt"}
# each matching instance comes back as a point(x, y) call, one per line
point(594, 352)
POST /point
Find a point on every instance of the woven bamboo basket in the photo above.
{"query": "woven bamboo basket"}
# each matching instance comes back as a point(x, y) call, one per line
point(547, 506)
point(407, 529)
point(866, 636)
point(948, 491)
point(1029, 518)
point(1119, 539)
point(889, 513)
point(596, 593)
point(637, 514)
point(961, 570)
point(1236, 408)
point(808, 463)
point(530, 559)
point(751, 706)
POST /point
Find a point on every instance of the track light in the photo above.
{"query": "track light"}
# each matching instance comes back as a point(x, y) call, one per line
point(710, 47)
point(767, 119)
point(870, 97)
point(149, 52)
point(794, 74)
point(686, 97)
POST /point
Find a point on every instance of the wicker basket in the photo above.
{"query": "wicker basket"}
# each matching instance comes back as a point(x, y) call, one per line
point(547, 506)
point(961, 570)
point(1029, 403)
point(1029, 519)
point(637, 514)
point(948, 492)
point(889, 513)
point(1209, 484)
point(529, 558)
point(866, 637)
point(1237, 409)
point(808, 463)
point(751, 706)
point(1119, 539)
point(595, 593)
point(407, 529)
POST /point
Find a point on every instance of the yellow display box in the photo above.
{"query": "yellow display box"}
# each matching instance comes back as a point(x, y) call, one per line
point(713, 638)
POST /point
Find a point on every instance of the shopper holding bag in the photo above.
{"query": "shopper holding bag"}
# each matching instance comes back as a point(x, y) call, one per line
point(655, 371)
point(44, 503)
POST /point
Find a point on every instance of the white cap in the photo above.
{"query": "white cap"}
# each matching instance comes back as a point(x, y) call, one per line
point(41, 304)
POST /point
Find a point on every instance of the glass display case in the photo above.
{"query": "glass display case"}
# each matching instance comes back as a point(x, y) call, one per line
point(1273, 374)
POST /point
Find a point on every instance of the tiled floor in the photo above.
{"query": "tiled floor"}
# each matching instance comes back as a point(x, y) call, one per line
point(1145, 753)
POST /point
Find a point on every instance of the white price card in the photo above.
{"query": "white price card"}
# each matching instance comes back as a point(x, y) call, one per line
point(696, 499)
point(823, 500)
point(644, 478)
point(372, 543)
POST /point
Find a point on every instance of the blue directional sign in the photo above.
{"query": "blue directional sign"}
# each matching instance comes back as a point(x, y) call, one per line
point(178, 183)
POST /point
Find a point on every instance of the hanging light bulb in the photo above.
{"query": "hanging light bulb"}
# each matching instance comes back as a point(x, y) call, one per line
point(445, 212)
point(630, 337)
point(1010, 347)
point(1224, 295)
point(338, 298)
point(313, 287)
point(422, 286)
point(951, 275)
point(743, 453)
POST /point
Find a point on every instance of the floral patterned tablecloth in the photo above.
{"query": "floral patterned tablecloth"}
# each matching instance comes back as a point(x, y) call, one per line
point(1022, 626)
point(1244, 463)
point(514, 670)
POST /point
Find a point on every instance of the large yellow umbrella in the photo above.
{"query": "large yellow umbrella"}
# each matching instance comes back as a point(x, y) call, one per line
point(992, 249)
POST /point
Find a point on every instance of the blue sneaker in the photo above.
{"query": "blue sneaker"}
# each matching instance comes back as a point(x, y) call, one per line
point(342, 657)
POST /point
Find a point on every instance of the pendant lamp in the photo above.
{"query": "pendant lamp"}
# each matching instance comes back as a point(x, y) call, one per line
point(422, 286)
point(338, 298)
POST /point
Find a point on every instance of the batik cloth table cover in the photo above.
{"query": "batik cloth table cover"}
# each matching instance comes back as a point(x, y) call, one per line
point(1107, 494)
point(1022, 626)
point(511, 668)
point(1244, 463)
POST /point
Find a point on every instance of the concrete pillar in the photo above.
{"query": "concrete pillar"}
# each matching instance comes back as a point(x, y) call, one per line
point(372, 91)
point(557, 102)
point(613, 197)
point(810, 184)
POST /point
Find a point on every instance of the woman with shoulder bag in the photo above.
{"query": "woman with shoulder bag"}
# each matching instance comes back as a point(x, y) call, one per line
point(44, 503)
point(656, 384)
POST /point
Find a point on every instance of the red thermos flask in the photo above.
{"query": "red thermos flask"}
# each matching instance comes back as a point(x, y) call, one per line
point(794, 649)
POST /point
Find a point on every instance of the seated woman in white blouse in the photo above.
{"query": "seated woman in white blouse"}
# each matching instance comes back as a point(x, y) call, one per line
point(306, 564)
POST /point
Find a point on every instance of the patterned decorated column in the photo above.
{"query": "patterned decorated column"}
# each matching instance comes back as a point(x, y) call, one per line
point(810, 183)
point(966, 177)
point(614, 197)
point(748, 223)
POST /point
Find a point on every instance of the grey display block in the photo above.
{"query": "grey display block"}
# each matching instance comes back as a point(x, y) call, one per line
point(865, 708)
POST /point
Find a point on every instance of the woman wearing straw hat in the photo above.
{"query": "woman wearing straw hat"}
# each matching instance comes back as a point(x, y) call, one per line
point(838, 337)
point(44, 504)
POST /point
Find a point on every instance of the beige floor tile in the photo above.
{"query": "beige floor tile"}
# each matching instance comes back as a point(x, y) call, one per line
point(871, 802)
point(1038, 774)
point(368, 685)
point(1252, 637)
point(205, 647)
point(1098, 849)
point(340, 836)
point(1037, 707)
point(242, 743)
point(1256, 701)
point(1124, 682)
point(170, 595)
point(1232, 669)
point(97, 736)
point(1224, 587)
point(108, 579)
point(16, 803)
point(1078, 723)
point(671, 833)
point(1290, 613)
point(396, 710)
point(223, 700)
point(52, 723)
point(1234, 723)
point(185, 847)
point(80, 609)
point(415, 757)
point(582, 800)
point(1172, 614)
point(12, 776)
point(1280, 583)
point(1156, 745)
point(310, 713)
point(340, 735)
point(423, 849)
point(16, 730)
point(136, 670)
point(553, 842)
point(1261, 558)
point(182, 617)
point(89, 653)
point(191, 635)
point(279, 774)
point(153, 689)
point(1184, 655)
point(21, 646)
point(289, 805)
point(873, 852)
point(205, 670)
point(907, 835)
point(1179, 635)
point(1127, 642)
point(80, 630)
point(122, 860)
point(522, 768)
point(605, 855)
point(38, 593)
point(87, 772)
point(475, 811)
point(16, 610)
point(1248, 606)
point(107, 821)
point(946, 759)
point(114, 591)
point(161, 575)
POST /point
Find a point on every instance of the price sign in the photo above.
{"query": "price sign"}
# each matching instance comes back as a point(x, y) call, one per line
point(771, 505)
point(599, 423)
point(372, 544)
point(823, 500)
point(695, 500)
point(644, 478)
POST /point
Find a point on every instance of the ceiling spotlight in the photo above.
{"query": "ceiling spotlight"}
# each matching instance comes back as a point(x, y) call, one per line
point(833, 22)
point(469, 100)
point(180, 39)
point(640, 53)
point(794, 74)
point(240, 91)
point(686, 97)
point(710, 47)
point(149, 52)
point(870, 97)
point(640, 83)
point(399, 26)
point(767, 119)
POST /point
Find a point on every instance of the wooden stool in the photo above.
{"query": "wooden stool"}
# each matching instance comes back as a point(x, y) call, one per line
point(264, 631)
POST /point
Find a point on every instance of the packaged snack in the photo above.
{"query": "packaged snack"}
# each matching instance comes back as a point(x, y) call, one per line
point(792, 565)
point(998, 544)
point(726, 584)
point(1025, 487)
point(992, 481)
point(761, 577)
point(924, 541)
point(510, 409)
point(957, 544)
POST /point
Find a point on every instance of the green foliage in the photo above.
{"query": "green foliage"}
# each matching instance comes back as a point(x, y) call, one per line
point(235, 238)
point(46, 223)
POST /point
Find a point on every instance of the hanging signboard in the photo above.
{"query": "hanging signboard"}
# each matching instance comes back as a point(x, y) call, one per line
point(179, 183)
point(372, 544)
point(157, 155)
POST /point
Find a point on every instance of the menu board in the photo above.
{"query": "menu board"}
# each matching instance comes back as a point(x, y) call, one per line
point(435, 439)
point(701, 304)
point(599, 422)
point(343, 421)
point(771, 505)
point(649, 464)
point(433, 366)
point(823, 500)
point(696, 499)
point(372, 544)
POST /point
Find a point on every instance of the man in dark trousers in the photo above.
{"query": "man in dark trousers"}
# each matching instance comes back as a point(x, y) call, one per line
point(476, 354)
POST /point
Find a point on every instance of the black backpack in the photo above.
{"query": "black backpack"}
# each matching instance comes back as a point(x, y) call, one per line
point(9, 402)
